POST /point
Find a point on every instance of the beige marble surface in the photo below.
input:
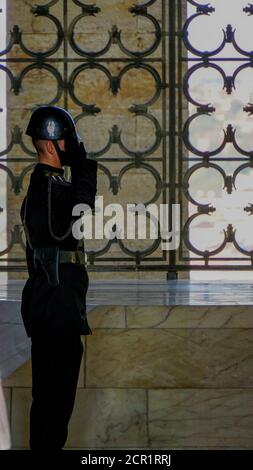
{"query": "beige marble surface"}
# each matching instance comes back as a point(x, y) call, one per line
point(201, 418)
point(191, 317)
point(153, 358)
point(19, 421)
point(101, 418)
point(155, 377)
point(109, 417)
point(5, 438)
point(154, 418)
point(108, 317)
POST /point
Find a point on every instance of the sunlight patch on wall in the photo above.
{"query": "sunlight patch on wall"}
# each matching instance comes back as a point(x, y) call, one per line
point(207, 133)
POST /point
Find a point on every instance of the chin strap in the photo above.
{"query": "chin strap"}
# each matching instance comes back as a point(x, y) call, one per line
point(57, 148)
point(63, 155)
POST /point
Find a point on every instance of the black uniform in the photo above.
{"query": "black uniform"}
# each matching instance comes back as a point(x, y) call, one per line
point(55, 315)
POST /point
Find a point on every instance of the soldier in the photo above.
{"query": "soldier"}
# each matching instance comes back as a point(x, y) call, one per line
point(53, 304)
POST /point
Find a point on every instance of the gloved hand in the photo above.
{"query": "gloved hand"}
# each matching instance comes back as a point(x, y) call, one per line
point(78, 157)
point(83, 175)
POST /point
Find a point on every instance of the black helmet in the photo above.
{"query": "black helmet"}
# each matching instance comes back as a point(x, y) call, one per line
point(52, 123)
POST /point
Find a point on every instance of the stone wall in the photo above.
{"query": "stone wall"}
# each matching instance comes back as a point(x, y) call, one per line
point(156, 377)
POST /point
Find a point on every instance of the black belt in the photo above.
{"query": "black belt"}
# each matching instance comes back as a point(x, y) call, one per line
point(50, 257)
point(72, 257)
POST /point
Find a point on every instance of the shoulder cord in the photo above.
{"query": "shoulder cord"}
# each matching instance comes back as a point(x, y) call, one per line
point(62, 237)
point(24, 223)
point(49, 220)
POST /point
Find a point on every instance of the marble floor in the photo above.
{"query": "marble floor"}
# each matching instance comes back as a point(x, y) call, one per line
point(15, 346)
point(208, 380)
point(157, 292)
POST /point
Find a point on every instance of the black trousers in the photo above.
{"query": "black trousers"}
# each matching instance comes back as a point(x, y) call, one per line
point(56, 359)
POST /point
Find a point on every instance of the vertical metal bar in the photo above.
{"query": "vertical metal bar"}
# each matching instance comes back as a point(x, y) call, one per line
point(172, 274)
point(181, 162)
point(65, 52)
point(65, 67)
point(164, 109)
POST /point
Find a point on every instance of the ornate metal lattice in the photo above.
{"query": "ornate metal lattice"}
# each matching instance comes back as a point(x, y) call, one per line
point(74, 59)
point(229, 253)
point(172, 158)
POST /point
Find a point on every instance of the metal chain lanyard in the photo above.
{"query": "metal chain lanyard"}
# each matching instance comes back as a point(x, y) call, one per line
point(24, 222)
point(56, 237)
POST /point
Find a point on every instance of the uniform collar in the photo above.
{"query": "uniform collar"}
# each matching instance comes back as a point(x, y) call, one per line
point(42, 167)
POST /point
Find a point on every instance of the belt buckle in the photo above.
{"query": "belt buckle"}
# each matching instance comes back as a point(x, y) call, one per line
point(73, 257)
point(81, 257)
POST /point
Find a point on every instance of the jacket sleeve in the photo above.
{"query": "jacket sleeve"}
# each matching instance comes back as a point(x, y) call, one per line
point(84, 183)
point(81, 189)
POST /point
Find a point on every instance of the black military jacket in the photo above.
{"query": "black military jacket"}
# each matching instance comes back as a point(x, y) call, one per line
point(48, 206)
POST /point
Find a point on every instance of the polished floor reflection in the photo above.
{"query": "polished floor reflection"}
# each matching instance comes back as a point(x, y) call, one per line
point(157, 292)
point(15, 346)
